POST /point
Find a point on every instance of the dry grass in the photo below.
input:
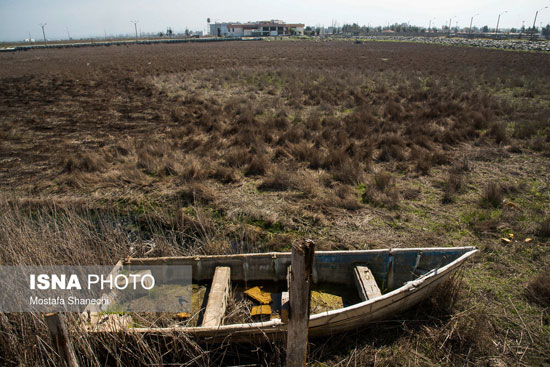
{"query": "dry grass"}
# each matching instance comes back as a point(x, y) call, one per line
point(162, 144)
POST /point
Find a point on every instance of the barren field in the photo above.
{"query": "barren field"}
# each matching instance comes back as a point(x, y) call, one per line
point(247, 146)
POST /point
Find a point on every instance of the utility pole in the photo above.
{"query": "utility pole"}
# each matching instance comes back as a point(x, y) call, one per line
point(534, 22)
point(135, 26)
point(450, 24)
point(430, 25)
point(43, 32)
point(471, 20)
point(498, 21)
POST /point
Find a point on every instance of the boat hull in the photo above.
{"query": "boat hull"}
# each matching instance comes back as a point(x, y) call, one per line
point(353, 317)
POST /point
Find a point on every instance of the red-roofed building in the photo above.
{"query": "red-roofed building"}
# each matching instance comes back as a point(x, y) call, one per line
point(256, 29)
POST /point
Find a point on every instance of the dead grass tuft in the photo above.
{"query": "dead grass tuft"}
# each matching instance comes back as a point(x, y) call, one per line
point(543, 229)
point(538, 290)
point(382, 180)
point(498, 131)
point(196, 193)
point(454, 185)
point(492, 195)
point(382, 191)
point(257, 166)
point(277, 180)
point(87, 162)
point(224, 174)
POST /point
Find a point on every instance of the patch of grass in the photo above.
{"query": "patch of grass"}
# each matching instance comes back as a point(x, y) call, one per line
point(272, 227)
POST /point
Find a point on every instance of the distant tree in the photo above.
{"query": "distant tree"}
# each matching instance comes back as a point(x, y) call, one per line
point(513, 30)
point(161, 34)
point(187, 33)
point(546, 31)
point(485, 29)
point(169, 32)
point(523, 29)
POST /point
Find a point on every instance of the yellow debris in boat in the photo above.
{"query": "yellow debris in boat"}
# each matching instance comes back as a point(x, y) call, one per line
point(527, 240)
point(322, 301)
point(183, 315)
point(257, 294)
point(261, 310)
point(507, 240)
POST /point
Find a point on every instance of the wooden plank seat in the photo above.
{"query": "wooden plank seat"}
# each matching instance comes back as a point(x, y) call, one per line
point(217, 297)
point(366, 284)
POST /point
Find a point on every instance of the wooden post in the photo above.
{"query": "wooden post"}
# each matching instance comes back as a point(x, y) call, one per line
point(300, 280)
point(60, 338)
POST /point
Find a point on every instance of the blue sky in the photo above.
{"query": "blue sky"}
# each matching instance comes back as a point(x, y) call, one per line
point(84, 18)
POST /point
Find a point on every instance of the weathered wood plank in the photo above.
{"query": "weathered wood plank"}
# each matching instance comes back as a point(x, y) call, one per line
point(217, 297)
point(366, 284)
point(288, 270)
point(285, 305)
point(300, 281)
point(60, 338)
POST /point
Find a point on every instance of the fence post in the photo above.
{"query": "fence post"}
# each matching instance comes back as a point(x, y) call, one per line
point(60, 338)
point(299, 294)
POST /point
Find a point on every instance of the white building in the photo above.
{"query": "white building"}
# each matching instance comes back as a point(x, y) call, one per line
point(256, 29)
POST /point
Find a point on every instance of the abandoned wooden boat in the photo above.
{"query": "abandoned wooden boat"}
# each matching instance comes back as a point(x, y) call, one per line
point(402, 278)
